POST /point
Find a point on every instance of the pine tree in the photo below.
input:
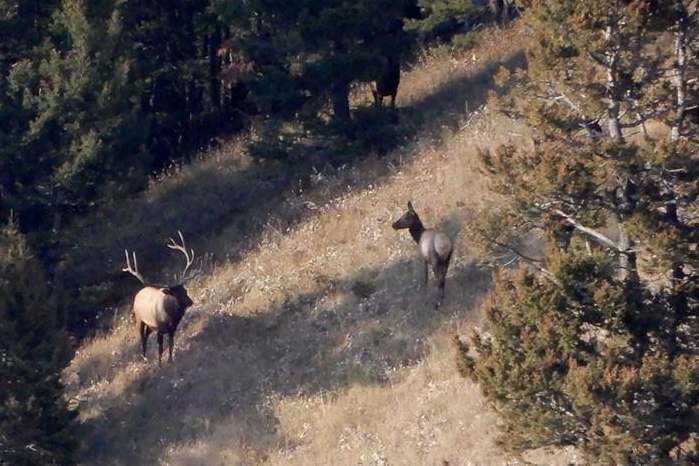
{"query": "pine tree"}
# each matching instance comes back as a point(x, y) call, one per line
point(35, 423)
point(446, 18)
point(80, 133)
point(684, 24)
point(175, 67)
point(305, 55)
point(22, 27)
point(594, 343)
point(96, 95)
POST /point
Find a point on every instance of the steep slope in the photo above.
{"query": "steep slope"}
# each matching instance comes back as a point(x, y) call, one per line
point(311, 344)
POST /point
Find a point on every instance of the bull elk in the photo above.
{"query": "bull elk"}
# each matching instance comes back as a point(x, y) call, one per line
point(387, 84)
point(159, 308)
point(435, 247)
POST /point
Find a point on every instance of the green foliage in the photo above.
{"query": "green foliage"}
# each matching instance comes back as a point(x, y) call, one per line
point(80, 130)
point(36, 426)
point(95, 96)
point(452, 11)
point(596, 350)
point(464, 41)
point(377, 129)
point(604, 366)
point(573, 175)
point(305, 55)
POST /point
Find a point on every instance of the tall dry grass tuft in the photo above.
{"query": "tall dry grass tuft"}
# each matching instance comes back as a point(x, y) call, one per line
point(310, 341)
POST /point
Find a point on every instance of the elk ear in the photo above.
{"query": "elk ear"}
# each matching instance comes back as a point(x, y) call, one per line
point(167, 290)
point(410, 206)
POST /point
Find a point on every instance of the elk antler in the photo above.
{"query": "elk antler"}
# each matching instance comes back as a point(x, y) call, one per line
point(183, 248)
point(133, 271)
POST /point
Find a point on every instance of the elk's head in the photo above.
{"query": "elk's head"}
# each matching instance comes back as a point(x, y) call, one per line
point(177, 289)
point(180, 294)
point(408, 219)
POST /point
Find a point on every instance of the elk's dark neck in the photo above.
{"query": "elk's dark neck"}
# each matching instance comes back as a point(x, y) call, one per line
point(416, 230)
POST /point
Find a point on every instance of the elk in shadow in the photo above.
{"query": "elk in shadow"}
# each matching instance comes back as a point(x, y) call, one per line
point(389, 78)
point(387, 84)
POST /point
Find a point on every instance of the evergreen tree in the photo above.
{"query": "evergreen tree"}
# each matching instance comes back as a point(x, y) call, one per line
point(79, 132)
point(305, 55)
point(447, 18)
point(176, 62)
point(97, 95)
point(594, 345)
point(35, 423)
point(22, 28)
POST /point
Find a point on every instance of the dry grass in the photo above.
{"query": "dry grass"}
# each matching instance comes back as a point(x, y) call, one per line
point(426, 415)
point(309, 342)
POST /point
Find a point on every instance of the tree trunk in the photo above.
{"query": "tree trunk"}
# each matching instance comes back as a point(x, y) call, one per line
point(613, 122)
point(613, 103)
point(59, 202)
point(340, 87)
point(215, 67)
point(627, 260)
point(193, 110)
point(340, 99)
point(626, 203)
point(496, 8)
point(678, 76)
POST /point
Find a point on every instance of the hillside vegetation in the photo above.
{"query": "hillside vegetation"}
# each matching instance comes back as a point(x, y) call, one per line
point(309, 342)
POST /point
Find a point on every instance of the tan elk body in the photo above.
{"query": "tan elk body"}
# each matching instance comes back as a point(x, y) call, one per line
point(159, 308)
point(435, 247)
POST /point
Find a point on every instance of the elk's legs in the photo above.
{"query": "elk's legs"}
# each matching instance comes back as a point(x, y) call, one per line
point(425, 273)
point(160, 348)
point(144, 331)
point(440, 272)
point(441, 280)
point(171, 343)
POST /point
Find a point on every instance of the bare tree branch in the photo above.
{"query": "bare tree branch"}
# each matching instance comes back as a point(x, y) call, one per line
point(600, 61)
point(643, 118)
point(591, 232)
point(529, 260)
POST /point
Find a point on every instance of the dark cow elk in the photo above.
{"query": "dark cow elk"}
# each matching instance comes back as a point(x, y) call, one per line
point(387, 84)
point(435, 247)
point(159, 308)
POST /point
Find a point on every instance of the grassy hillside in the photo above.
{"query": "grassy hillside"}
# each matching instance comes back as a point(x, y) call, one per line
point(310, 342)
